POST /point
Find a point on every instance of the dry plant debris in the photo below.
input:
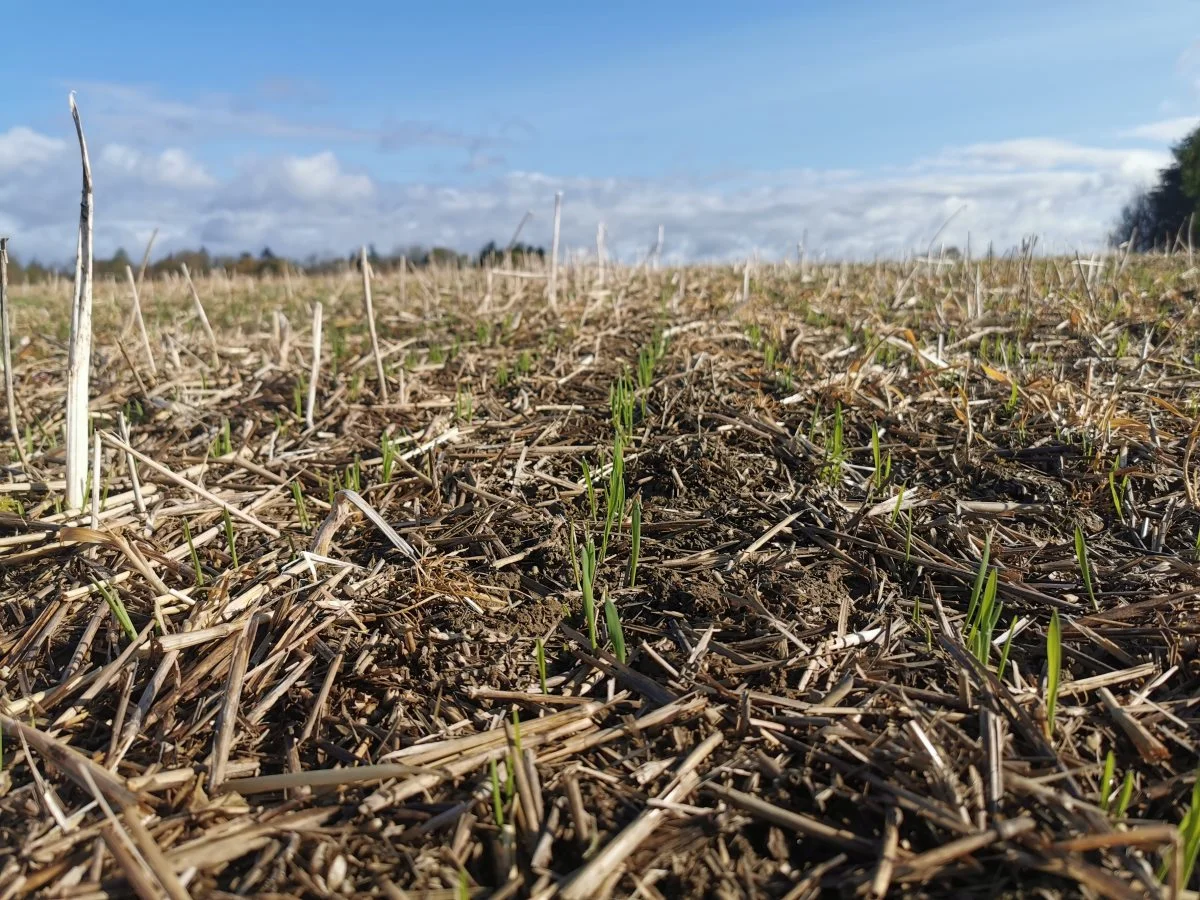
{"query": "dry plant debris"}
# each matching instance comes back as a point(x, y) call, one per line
point(867, 580)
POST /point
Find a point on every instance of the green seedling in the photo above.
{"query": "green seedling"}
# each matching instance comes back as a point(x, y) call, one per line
point(354, 474)
point(1012, 631)
point(388, 453)
point(883, 465)
point(620, 402)
point(587, 583)
point(524, 363)
point(1106, 780)
point(223, 443)
point(1114, 492)
point(983, 625)
point(301, 509)
point(635, 543)
point(540, 654)
point(1189, 840)
point(1053, 669)
point(980, 577)
point(1084, 568)
point(614, 495)
point(612, 619)
point(835, 449)
point(497, 798)
point(1125, 797)
point(117, 606)
point(230, 538)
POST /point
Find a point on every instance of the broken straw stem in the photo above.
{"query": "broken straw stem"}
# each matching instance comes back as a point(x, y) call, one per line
point(212, 338)
point(370, 313)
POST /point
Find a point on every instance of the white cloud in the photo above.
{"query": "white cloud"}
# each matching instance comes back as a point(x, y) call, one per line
point(1066, 193)
point(320, 177)
point(1165, 131)
point(172, 168)
point(22, 147)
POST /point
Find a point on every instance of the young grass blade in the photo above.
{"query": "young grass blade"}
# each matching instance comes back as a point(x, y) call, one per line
point(612, 619)
point(231, 538)
point(1084, 568)
point(1106, 780)
point(1008, 639)
point(497, 799)
point(635, 540)
point(1125, 797)
point(540, 653)
point(1053, 669)
point(117, 606)
point(980, 577)
point(587, 586)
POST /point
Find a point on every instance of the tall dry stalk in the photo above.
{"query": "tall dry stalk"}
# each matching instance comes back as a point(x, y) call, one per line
point(79, 356)
point(6, 334)
point(553, 288)
point(212, 338)
point(141, 322)
point(315, 374)
point(370, 311)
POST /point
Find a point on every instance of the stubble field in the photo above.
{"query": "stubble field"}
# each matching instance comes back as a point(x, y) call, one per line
point(879, 581)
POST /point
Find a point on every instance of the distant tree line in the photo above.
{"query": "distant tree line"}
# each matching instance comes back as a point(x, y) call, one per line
point(1160, 216)
point(201, 262)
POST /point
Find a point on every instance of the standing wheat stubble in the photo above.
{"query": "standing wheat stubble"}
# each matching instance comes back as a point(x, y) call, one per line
point(79, 358)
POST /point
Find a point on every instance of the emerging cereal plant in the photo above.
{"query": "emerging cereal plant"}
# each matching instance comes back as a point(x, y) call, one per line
point(566, 578)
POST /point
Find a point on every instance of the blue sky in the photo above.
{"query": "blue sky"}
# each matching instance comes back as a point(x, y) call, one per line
point(864, 124)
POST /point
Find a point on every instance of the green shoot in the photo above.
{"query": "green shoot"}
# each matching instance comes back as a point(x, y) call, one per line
point(524, 363)
point(1053, 669)
point(635, 549)
point(1014, 397)
point(1189, 834)
point(899, 504)
point(980, 576)
point(612, 619)
point(540, 653)
point(354, 474)
point(614, 495)
point(1084, 568)
point(620, 401)
point(1112, 489)
point(117, 606)
point(1125, 796)
point(835, 450)
point(187, 533)
point(231, 538)
point(1106, 780)
point(883, 465)
point(301, 509)
point(464, 405)
point(223, 443)
point(586, 586)
point(463, 891)
point(387, 450)
point(497, 799)
point(983, 625)
point(1012, 630)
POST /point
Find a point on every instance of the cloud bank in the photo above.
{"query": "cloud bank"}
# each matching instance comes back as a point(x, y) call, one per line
point(315, 203)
